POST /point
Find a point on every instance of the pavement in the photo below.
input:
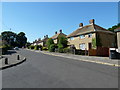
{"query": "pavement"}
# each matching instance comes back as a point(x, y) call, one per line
point(47, 71)
point(92, 59)
point(12, 59)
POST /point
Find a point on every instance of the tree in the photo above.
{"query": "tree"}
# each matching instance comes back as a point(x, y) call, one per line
point(9, 37)
point(49, 42)
point(28, 44)
point(52, 48)
point(114, 27)
point(62, 41)
point(21, 39)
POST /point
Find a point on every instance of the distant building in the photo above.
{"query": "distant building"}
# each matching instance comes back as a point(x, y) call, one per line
point(43, 41)
point(82, 38)
point(55, 37)
point(36, 42)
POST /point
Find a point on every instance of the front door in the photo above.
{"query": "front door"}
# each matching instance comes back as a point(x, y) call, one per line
point(90, 45)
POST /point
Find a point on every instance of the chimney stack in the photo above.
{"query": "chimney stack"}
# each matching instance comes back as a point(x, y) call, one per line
point(46, 36)
point(39, 39)
point(60, 30)
point(56, 32)
point(81, 25)
point(92, 21)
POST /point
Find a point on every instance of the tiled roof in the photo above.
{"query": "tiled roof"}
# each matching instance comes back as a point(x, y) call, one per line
point(88, 29)
point(117, 29)
point(45, 39)
point(56, 35)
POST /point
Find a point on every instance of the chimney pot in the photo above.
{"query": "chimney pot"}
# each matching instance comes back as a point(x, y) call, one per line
point(81, 25)
point(46, 36)
point(39, 39)
point(92, 21)
point(60, 30)
point(56, 32)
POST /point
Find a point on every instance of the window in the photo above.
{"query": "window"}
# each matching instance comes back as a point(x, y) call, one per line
point(71, 38)
point(90, 35)
point(82, 36)
point(82, 46)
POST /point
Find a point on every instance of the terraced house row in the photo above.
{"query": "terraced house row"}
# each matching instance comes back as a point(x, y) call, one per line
point(90, 37)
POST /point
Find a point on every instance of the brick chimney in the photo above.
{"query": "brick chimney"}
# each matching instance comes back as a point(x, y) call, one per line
point(39, 39)
point(60, 30)
point(56, 32)
point(92, 21)
point(81, 25)
point(46, 36)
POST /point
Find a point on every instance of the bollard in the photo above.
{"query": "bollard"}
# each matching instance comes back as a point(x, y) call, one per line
point(18, 57)
point(6, 60)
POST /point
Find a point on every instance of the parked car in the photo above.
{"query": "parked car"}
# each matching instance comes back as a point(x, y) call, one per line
point(16, 48)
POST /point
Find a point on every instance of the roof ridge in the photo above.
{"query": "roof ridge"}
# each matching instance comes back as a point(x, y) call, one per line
point(79, 29)
point(100, 26)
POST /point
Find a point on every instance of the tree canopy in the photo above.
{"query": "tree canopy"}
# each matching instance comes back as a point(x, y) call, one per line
point(14, 39)
point(9, 37)
point(62, 41)
point(49, 42)
point(114, 27)
point(21, 39)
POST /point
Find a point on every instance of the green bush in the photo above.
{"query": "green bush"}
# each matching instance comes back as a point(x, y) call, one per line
point(28, 47)
point(62, 40)
point(60, 48)
point(44, 48)
point(4, 49)
point(32, 47)
point(37, 47)
point(49, 42)
point(52, 48)
point(67, 50)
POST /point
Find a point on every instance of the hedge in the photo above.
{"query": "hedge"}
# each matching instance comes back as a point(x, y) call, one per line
point(52, 48)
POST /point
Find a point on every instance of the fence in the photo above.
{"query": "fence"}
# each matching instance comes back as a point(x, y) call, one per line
point(100, 51)
point(81, 52)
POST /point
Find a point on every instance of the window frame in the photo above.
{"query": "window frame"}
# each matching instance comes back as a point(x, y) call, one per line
point(83, 46)
point(89, 35)
point(71, 38)
point(82, 36)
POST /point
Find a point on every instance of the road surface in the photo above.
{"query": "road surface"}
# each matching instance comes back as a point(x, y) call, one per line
point(45, 71)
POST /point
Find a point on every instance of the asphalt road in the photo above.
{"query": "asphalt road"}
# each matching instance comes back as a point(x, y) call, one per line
point(45, 71)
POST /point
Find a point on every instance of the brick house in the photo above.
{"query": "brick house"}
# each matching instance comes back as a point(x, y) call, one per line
point(82, 38)
point(36, 42)
point(55, 37)
point(118, 37)
point(43, 41)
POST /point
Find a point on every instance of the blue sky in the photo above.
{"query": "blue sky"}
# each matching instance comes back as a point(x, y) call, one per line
point(37, 19)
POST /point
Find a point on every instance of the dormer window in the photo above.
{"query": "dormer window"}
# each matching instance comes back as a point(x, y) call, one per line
point(90, 35)
point(82, 36)
point(71, 38)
